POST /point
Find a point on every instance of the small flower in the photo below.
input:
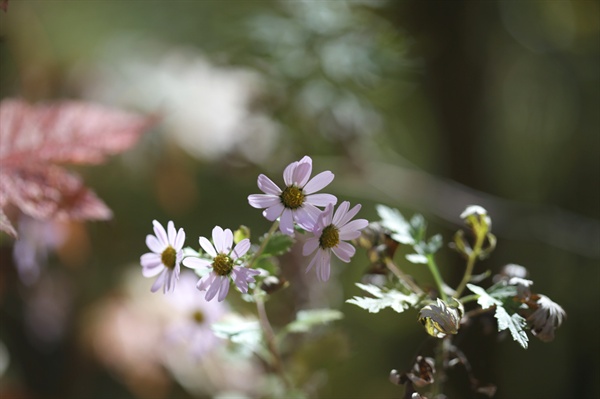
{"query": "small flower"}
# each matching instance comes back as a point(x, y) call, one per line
point(441, 319)
point(546, 318)
point(223, 264)
point(166, 256)
point(329, 232)
point(193, 317)
point(297, 202)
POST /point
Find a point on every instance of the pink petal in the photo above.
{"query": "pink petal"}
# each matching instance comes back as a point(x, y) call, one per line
point(219, 239)
point(302, 174)
point(348, 216)
point(160, 233)
point(288, 173)
point(241, 248)
point(195, 263)
point(312, 262)
point(340, 212)
point(154, 244)
point(286, 223)
point(261, 201)
point(306, 216)
point(168, 281)
point(179, 240)
point(351, 230)
point(227, 241)
point(172, 233)
point(273, 212)
point(206, 281)
point(267, 186)
point(344, 251)
point(151, 264)
point(318, 182)
point(310, 246)
point(321, 199)
point(159, 281)
point(323, 266)
point(214, 288)
point(326, 216)
point(224, 289)
point(208, 247)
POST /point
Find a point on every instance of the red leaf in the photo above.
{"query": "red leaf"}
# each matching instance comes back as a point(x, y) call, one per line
point(34, 138)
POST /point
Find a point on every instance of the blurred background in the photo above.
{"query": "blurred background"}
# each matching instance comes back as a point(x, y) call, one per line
point(424, 106)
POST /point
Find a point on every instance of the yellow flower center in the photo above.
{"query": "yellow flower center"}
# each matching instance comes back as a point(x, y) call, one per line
point(330, 237)
point(198, 317)
point(169, 257)
point(222, 265)
point(292, 197)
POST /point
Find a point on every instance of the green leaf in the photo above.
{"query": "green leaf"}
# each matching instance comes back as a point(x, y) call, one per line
point(307, 319)
point(383, 299)
point(485, 300)
point(514, 324)
point(417, 259)
point(278, 245)
point(244, 332)
point(393, 220)
point(434, 244)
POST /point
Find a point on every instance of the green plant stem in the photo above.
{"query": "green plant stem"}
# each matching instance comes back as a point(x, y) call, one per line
point(436, 276)
point(264, 243)
point(270, 340)
point(470, 264)
point(405, 279)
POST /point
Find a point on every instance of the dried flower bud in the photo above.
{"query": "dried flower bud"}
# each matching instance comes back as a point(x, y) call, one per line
point(546, 318)
point(441, 319)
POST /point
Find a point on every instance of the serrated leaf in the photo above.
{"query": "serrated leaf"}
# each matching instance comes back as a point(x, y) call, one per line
point(35, 139)
point(434, 244)
point(278, 245)
point(514, 324)
point(394, 299)
point(393, 220)
point(307, 319)
point(485, 300)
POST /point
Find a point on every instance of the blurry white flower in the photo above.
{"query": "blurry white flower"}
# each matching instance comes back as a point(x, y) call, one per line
point(546, 318)
point(205, 108)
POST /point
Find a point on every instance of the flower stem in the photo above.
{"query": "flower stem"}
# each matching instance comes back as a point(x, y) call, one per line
point(264, 243)
point(270, 339)
point(436, 276)
point(470, 263)
point(404, 279)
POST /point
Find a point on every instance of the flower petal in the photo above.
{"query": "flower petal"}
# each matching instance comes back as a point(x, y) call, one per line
point(151, 264)
point(344, 251)
point(273, 212)
point(154, 244)
point(224, 289)
point(302, 174)
point(310, 246)
point(321, 199)
point(214, 288)
point(179, 240)
point(267, 186)
point(207, 247)
point(351, 230)
point(159, 281)
point(171, 232)
point(323, 265)
point(349, 215)
point(312, 262)
point(219, 239)
point(206, 281)
point(288, 173)
point(286, 222)
point(227, 241)
point(240, 249)
point(160, 233)
point(318, 182)
point(340, 213)
point(195, 263)
point(261, 201)
point(307, 216)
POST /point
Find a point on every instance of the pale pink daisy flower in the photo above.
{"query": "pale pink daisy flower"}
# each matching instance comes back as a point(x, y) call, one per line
point(223, 264)
point(297, 202)
point(166, 256)
point(330, 231)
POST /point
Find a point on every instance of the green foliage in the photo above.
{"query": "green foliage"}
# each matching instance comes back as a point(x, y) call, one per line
point(384, 298)
point(277, 245)
point(246, 334)
point(308, 319)
point(514, 323)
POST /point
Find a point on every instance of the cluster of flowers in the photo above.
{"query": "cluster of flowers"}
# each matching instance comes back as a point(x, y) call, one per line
point(298, 204)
